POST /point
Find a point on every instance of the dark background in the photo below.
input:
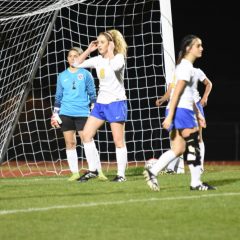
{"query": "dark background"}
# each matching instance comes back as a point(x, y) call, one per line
point(217, 25)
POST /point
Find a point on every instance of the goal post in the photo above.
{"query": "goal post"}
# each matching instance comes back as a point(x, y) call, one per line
point(32, 145)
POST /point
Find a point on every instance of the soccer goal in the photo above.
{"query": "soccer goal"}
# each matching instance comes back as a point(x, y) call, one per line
point(35, 37)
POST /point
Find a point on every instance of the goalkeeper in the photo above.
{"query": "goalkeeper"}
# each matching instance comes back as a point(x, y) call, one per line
point(74, 93)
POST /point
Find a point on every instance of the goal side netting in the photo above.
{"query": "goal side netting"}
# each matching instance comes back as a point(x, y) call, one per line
point(35, 40)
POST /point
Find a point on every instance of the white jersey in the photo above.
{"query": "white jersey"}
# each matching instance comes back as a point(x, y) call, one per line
point(184, 71)
point(199, 75)
point(111, 75)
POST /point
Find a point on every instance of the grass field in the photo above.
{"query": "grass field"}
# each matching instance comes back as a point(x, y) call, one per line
point(52, 208)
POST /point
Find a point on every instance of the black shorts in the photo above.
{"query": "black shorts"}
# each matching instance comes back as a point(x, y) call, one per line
point(72, 123)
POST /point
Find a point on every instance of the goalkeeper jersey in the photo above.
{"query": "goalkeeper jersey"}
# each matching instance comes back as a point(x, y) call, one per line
point(111, 75)
point(75, 91)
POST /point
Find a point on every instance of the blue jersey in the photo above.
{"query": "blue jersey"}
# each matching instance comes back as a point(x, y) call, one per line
point(75, 91)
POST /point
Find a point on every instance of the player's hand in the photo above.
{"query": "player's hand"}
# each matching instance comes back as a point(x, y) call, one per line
point(91, 106)
point(93, 46)
point(201, 120)
point(167, 123)
point(160, 101)
point(55, 120)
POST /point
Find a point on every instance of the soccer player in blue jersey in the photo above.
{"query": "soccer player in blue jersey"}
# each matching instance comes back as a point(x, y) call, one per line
point(74, 93)
point(111, 104)
point(181, 119)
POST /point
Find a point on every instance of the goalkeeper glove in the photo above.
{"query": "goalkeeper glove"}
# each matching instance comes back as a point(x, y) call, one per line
point(55, 119)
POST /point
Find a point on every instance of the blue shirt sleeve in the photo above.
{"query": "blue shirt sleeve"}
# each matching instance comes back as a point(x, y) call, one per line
point(59, 92)
point(90, 87)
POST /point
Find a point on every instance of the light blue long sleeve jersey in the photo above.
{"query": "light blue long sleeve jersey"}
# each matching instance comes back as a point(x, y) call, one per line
point(74, 93)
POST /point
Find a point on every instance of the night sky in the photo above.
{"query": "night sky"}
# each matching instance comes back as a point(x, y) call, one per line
point(216, 24)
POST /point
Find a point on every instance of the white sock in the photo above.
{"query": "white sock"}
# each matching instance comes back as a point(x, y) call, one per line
point(121, 155)
point(195, 175)
point(72, 159)
point(163, 161)
point(173, 164)
point(202, 153)
point(180, 167)
point(92, 156)
point(98, 162)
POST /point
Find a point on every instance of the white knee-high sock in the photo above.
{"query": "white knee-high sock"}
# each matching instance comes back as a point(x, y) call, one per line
point(163, 161)
point(91, 154)
point(98, 162)
point(173, 164)
point(180, 167)
point(121, 155)
point(202, 153)
point(195, 175)
point(72, 159)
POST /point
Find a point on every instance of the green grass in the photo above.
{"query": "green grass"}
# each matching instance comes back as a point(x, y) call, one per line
point(52, 208)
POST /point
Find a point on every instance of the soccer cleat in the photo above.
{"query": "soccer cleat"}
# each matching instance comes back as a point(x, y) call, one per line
point(203, 187)
point(119, 179)
point(88, 175)
point(167, 172)
point(101, 176)
point(151, 180)
point(74, 177)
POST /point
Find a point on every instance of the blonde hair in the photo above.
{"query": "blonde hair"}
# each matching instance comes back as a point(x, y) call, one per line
point(118, 39)
point(77, 49)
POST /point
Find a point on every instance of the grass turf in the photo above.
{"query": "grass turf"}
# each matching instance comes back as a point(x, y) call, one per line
point(53, 208)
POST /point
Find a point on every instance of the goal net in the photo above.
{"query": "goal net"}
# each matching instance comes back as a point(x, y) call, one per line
point(35, 38)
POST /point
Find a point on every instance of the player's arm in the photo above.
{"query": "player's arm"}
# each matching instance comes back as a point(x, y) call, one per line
point(165, 97)
point(55, 119)
point(201, 120)
point(91, 89)
point(208, 88)
point(80, 61)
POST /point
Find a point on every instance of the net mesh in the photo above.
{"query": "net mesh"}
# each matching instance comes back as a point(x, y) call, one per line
point(28, 81)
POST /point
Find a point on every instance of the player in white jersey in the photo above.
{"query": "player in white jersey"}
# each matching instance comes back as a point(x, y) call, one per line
point(181, 119)
point(199, 75)
point(111, 104)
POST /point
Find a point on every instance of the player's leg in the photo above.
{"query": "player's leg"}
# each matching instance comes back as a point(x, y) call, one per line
point(69, 133)
point(192, 156)
point(71, 152)
point(202, 149)
point(177, 148)
point(80, 123)
point(118, 132)
point(91, 153)
point(201, 143)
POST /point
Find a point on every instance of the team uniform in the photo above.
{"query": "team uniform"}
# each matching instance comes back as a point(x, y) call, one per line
point(111, 106)
point(199, 75)
point(111, 102)
point(75, 91)
point(184, 115)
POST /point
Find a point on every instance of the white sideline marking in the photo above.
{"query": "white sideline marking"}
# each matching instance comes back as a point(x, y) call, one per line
point(94, 204)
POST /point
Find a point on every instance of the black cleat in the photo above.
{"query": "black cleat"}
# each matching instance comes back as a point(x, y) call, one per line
point(203, 187)
point(119, 179)
point(88, 175)
point(151, 180)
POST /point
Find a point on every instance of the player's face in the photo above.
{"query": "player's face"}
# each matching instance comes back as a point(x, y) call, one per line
point(72, 57)
point(197, 48)
point(102, 45)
